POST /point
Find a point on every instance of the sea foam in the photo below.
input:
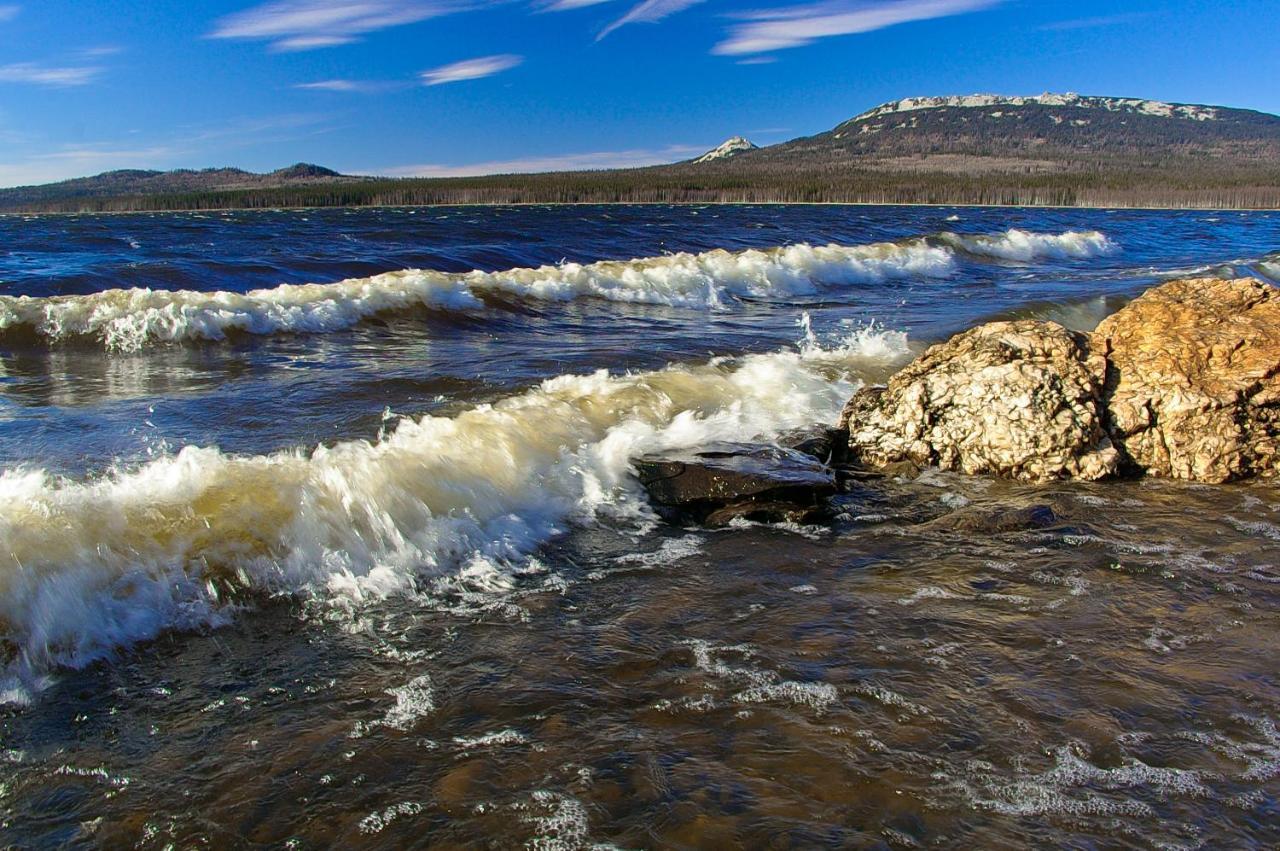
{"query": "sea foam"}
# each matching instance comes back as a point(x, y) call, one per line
point(90, 566)
point(1026, 246)
point(132, 319)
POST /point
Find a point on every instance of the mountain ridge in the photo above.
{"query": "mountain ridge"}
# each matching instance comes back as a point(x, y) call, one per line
point(1060, 149)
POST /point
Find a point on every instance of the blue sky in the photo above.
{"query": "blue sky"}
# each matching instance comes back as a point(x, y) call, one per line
point(470, 86)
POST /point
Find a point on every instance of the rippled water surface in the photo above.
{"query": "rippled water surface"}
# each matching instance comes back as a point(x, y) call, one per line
point(362, 564)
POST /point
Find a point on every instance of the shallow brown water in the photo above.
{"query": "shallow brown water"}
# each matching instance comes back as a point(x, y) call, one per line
point(1102, 677)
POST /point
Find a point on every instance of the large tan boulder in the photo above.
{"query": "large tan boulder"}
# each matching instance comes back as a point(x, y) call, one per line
point(1182, 382)
point(1016, 399)
point(1193, 387)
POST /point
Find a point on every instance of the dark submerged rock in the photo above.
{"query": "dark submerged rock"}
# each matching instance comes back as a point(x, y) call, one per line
point(996, 521)
point(824, 443)
point(722, 482)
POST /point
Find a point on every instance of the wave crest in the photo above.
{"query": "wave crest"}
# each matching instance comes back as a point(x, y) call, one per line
point(132, 319)
point(89, 566)
point(1026, 246)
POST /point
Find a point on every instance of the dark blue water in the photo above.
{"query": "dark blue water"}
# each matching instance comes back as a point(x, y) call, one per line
point(362, 563)
point(332, 384)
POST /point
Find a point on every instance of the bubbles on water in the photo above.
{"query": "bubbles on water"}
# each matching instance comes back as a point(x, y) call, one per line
point(414, 700)
point(560, 820)
point(376, 822)
point(495, 739)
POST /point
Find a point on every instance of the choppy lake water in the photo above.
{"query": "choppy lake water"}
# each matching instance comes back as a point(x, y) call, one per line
point(300, 548)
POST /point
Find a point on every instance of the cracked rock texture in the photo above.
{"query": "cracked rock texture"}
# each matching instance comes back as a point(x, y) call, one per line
point(1193, 385)
point(1017, 399)
point(1182, 382)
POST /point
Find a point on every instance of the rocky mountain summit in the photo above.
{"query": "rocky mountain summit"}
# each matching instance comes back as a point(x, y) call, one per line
point(728, 148)
point(1131, 106)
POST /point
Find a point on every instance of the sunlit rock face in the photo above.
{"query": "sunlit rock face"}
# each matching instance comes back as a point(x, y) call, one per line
point(1183, 382)
point(1194, 379)
point(1015, 399)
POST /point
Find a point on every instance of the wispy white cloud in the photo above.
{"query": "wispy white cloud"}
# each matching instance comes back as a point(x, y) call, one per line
point(8, 12)
point(355, 86)
point(100, 51)
point(310, 24)
point(632, 158)
point(797, 26)
point(48, 75)
point(649, 12)
point(569, 5)
point(471, 69)
point(1100, 21)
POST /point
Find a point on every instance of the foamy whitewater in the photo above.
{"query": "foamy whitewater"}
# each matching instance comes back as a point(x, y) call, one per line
point(92, 566)
point(128, 320)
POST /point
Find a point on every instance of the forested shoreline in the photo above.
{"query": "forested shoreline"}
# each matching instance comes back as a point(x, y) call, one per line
point(1243, 191)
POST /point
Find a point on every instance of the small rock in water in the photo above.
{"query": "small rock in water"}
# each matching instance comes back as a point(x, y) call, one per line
point(720, 483)
point(996, 521)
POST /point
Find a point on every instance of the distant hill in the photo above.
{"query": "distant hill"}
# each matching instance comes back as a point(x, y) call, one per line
point(975, 149)
point(137, 182)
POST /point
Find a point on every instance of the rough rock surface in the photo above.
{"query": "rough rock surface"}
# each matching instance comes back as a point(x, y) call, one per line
point(1016, 399)
point(1193, 384)
point(1184, 382)
point(719, 483)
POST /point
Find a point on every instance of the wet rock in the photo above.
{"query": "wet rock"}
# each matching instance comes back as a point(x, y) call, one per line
point(997, 521)
point(1193, 385)
point(719, 483)
point(1017, 399)
point(826, 444)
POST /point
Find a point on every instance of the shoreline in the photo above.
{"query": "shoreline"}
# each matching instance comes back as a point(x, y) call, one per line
point(1107, 208)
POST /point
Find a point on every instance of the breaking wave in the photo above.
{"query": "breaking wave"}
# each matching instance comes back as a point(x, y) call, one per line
point(90, 566)
point(132, 319)
point(1270, 266)
point(1026, 246)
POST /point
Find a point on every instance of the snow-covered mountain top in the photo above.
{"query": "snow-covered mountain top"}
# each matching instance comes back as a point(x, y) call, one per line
point(1130, 105)
point(727, 148)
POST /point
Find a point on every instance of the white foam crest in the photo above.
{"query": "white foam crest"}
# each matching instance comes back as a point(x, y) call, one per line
point(1026, 246)
point(1270, 266)
point(88, 566)
point(131, 319)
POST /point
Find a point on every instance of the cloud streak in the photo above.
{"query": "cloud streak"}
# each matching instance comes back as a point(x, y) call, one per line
point(9, 12)
point(354, 86)
point(292, 25)
point(632, 158)
point(470, 69)
point(798, 26)
point(649, 12)
point(570, 5)
point(1100, 21)
point(48, 75)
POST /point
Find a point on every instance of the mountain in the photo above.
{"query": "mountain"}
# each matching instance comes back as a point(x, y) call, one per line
point(145, 183)
point(728, 148)
point(1048, 133)
point(1059, 149)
